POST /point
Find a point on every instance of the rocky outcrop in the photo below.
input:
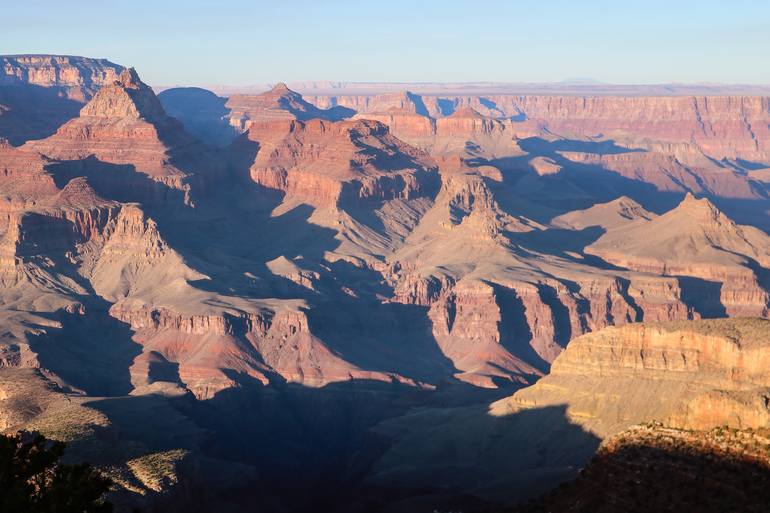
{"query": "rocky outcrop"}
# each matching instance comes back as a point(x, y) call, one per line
point(656, 468)
point(125, 124)
point(696, 240)
point(691, 374)
point(404, 113)
point(330, 163)
point(38, 93)
point(23, 177)
point(616, 213)
point(79, 77)
point(280, 102)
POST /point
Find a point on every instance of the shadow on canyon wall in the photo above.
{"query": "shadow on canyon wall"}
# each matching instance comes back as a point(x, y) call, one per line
point(203, 114)
point(640, 478)
point(300, 449)
point(29, 112)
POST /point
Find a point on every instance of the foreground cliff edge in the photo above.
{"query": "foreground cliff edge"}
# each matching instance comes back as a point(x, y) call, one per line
point(690, 377)
point(393, 302)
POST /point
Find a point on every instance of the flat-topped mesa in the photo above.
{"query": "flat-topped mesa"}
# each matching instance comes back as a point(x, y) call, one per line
point(78, 77)
point(329, 163)
point(690, 374)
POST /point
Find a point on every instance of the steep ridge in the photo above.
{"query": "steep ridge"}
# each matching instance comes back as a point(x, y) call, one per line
point(502, 298)
point(696, 239)
point(70, 251)
point(124, 123)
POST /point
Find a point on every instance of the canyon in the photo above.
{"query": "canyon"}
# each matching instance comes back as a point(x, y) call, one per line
point(385, 301)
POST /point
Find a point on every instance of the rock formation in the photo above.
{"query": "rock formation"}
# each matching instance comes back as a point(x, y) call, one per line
point(327, 163)
point(701, 374)
point(280, 102)
point(697, 240)
point(319, 276)
point(125, 124)
point(79, 77)
point(721, 126)
point(613, 214)
point(689, 376)
point(38, 93)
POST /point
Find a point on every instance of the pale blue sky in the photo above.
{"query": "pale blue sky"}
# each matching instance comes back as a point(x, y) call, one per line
point(239, 42)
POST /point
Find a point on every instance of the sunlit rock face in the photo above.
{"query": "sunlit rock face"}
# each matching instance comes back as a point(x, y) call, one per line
point(368, 275)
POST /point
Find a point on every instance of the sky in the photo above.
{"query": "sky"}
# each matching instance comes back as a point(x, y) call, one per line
point(239, 42)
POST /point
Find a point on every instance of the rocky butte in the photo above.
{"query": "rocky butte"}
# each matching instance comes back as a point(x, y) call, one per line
point(392, 301)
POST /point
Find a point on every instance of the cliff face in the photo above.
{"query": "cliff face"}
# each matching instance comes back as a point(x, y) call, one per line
point(38, 93)
point(278, 103)
point(689, 376)
point(125, 125)
point(732, 127)
point(79, 77)
point(692, 375)
point(328, 163)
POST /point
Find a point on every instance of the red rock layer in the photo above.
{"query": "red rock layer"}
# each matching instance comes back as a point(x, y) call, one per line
point(721, 126)
point(79, 77)
point(327, 163)
point(124, 123)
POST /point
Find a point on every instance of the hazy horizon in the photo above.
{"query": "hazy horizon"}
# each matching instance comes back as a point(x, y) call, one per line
point(240, 43)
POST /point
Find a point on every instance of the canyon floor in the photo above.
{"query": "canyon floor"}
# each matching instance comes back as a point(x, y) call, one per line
point(382, 300)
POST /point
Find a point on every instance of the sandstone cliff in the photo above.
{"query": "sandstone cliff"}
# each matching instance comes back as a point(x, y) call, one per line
point(79, 77)
point(692, 375)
